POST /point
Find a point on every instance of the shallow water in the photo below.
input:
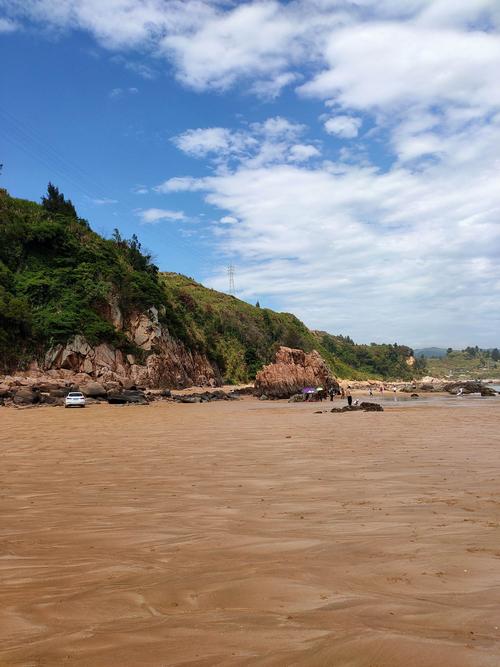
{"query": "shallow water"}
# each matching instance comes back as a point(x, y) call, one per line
point(444, 400)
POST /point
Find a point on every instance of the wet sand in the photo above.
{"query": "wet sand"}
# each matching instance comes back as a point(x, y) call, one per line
point(250, 533)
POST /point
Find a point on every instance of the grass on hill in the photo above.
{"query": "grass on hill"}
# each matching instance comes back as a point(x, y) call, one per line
point(460, 365)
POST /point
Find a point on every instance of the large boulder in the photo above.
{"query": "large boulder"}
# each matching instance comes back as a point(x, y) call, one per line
point(291, 372)
point(5, 391)
point(127, 396)
point(466, 387)
point(93, 390)
point(26, 396)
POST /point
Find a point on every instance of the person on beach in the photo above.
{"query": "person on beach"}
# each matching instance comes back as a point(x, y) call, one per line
point(331, 393)
point(348, 396)
point(370, 392)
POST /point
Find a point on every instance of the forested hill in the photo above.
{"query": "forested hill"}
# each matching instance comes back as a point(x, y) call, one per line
point(59, 279)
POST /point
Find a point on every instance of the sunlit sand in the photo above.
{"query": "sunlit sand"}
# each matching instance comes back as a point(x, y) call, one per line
point(250, 533)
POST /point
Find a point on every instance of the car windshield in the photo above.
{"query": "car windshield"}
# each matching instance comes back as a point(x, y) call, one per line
point(74, 394)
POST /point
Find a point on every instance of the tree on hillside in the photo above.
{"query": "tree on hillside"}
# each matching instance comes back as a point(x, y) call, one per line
point(55, 202)
point(449, 351)
point(495, 354)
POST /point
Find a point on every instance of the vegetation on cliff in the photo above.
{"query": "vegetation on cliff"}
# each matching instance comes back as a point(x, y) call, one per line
point(58, 278)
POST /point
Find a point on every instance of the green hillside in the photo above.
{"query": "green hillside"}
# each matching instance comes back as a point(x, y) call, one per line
point(58, 278)
point(469, 363)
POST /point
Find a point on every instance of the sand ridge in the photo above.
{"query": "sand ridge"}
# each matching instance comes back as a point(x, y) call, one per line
point(249, 534)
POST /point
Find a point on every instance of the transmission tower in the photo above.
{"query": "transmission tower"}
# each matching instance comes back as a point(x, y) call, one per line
point(230, 273)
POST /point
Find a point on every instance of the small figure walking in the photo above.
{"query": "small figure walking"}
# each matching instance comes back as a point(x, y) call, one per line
point(331, 393)
point(348, 396)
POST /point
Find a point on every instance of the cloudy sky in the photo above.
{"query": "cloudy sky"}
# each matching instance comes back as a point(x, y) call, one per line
point(343, 156)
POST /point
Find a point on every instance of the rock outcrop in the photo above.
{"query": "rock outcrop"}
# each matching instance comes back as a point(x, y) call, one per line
point(362, 407)
point(291, 372)
point(163, 361)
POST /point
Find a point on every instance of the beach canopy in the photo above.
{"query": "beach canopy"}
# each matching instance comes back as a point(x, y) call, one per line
point(309, 390)
point(319, 388)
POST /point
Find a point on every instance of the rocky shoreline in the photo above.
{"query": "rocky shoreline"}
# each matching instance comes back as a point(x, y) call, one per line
point(292, 370)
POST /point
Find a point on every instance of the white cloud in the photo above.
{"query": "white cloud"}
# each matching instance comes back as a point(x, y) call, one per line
point(253, 37)
point(228, 220)
point(104, 202)
point(117, 93)
point(271, 88)
point(302, 152)
point(381, 65)
point(180, 184)
point(272, 140)
point(212, 140)
point(153, 215)
point(140, 190)
point(346, 127)
point(6, 25)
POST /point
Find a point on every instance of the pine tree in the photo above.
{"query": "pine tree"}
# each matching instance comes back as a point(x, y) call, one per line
point(55, 202)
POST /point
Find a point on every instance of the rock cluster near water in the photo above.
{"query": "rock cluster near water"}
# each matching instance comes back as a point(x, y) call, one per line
point(430, 384)
point(291, 371)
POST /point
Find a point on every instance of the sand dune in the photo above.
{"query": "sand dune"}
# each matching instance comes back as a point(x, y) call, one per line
point(250, 534)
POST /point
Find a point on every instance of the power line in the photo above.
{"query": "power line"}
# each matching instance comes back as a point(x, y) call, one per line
point(33, 143)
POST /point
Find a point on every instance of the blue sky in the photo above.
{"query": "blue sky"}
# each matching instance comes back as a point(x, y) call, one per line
point(343, 156)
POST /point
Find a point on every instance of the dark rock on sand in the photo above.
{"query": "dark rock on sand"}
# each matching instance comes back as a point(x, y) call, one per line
point(59, 393)
point(127, 396)
point(5, 391)
point(26, 396)
point(365, 406)
point(52, 400)
point(93, 390)
point(205, 397)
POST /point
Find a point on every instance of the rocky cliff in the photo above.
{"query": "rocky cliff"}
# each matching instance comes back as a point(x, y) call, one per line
point(160, 361)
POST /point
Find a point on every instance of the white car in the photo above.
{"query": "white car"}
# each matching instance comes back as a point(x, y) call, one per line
point(75, 399)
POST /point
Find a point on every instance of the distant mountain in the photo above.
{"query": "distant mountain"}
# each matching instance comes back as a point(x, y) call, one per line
point(431, 352)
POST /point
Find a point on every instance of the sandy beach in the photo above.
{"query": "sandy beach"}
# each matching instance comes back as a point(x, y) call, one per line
point(250, 533)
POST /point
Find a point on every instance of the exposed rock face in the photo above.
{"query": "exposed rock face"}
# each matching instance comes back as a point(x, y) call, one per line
point(165, 363)
point(26, 396)
point(93, 390)
point(291, 372)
